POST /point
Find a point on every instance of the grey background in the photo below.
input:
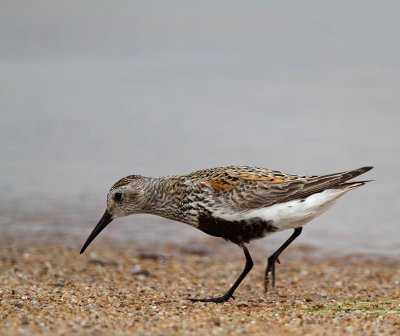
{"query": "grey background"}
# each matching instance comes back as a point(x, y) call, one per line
point(91, 91)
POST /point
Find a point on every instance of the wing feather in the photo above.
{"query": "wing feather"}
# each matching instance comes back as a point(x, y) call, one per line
point(247, 188)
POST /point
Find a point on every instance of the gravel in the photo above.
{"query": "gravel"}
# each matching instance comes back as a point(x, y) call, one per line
point(52, 290)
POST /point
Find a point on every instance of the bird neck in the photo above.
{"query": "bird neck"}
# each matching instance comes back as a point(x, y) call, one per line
point(165, 197)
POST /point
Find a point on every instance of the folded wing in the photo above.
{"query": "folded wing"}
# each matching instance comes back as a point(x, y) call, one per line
point(248, 188)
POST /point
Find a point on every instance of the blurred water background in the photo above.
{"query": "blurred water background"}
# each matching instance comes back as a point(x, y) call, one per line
point(91, 91)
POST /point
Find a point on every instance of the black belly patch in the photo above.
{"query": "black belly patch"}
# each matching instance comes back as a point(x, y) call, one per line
point(237, 232)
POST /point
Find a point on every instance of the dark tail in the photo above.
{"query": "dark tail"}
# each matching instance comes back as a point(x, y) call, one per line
point(354, 173)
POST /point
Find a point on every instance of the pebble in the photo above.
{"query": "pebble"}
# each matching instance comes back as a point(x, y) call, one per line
point(103, 262)
point(138, 270)
point(151, 256)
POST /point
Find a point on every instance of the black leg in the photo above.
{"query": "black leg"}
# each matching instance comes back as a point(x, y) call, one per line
point(229, 293)
point(274, 258)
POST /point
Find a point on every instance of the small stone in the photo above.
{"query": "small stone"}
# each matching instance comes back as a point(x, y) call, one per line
point(24, 320)
point(242, 304)
point(18, 304)
point(151, 256)
point(138, 270)
point(59, 283)
point(102, 262)
point(215, 320)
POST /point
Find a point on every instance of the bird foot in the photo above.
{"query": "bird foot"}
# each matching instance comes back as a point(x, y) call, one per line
point(270, 270)
point(218, 299)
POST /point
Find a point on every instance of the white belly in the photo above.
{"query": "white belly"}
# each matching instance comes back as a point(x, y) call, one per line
point(292, 214)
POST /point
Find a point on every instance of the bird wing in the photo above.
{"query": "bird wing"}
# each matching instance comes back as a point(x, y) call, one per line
point(247, 188)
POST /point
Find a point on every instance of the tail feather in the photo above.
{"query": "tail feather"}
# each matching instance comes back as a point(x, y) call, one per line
point(350, 175)
point(317, 184)
point(352, 185)
point(354, 173)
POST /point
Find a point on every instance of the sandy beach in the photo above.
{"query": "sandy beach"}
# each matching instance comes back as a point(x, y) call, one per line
point(52, 290)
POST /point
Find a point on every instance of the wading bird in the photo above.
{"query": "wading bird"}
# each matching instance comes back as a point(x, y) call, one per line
point(237, 203)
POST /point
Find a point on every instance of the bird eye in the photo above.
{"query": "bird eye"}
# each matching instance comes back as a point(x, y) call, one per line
point(117, 196)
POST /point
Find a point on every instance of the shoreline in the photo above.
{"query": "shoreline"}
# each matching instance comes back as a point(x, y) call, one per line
point(49, 289)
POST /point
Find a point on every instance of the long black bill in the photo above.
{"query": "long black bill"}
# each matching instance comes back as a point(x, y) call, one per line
point(104, 221)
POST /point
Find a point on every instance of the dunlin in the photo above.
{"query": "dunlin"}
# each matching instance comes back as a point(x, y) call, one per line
point(237, 203)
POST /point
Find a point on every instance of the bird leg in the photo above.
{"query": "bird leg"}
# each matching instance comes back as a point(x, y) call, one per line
point(229, 294)
point(274, 258)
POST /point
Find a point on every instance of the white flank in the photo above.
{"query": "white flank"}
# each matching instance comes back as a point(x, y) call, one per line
point(292, 214)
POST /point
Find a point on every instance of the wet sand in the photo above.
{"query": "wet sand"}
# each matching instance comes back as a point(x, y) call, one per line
point(52, 290)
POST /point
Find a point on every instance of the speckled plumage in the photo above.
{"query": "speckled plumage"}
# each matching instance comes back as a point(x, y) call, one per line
point(237, 203)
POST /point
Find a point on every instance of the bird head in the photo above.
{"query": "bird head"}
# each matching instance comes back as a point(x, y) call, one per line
point(126, 197)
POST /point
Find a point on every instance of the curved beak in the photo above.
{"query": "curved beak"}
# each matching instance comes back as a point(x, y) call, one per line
point(104, 221)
